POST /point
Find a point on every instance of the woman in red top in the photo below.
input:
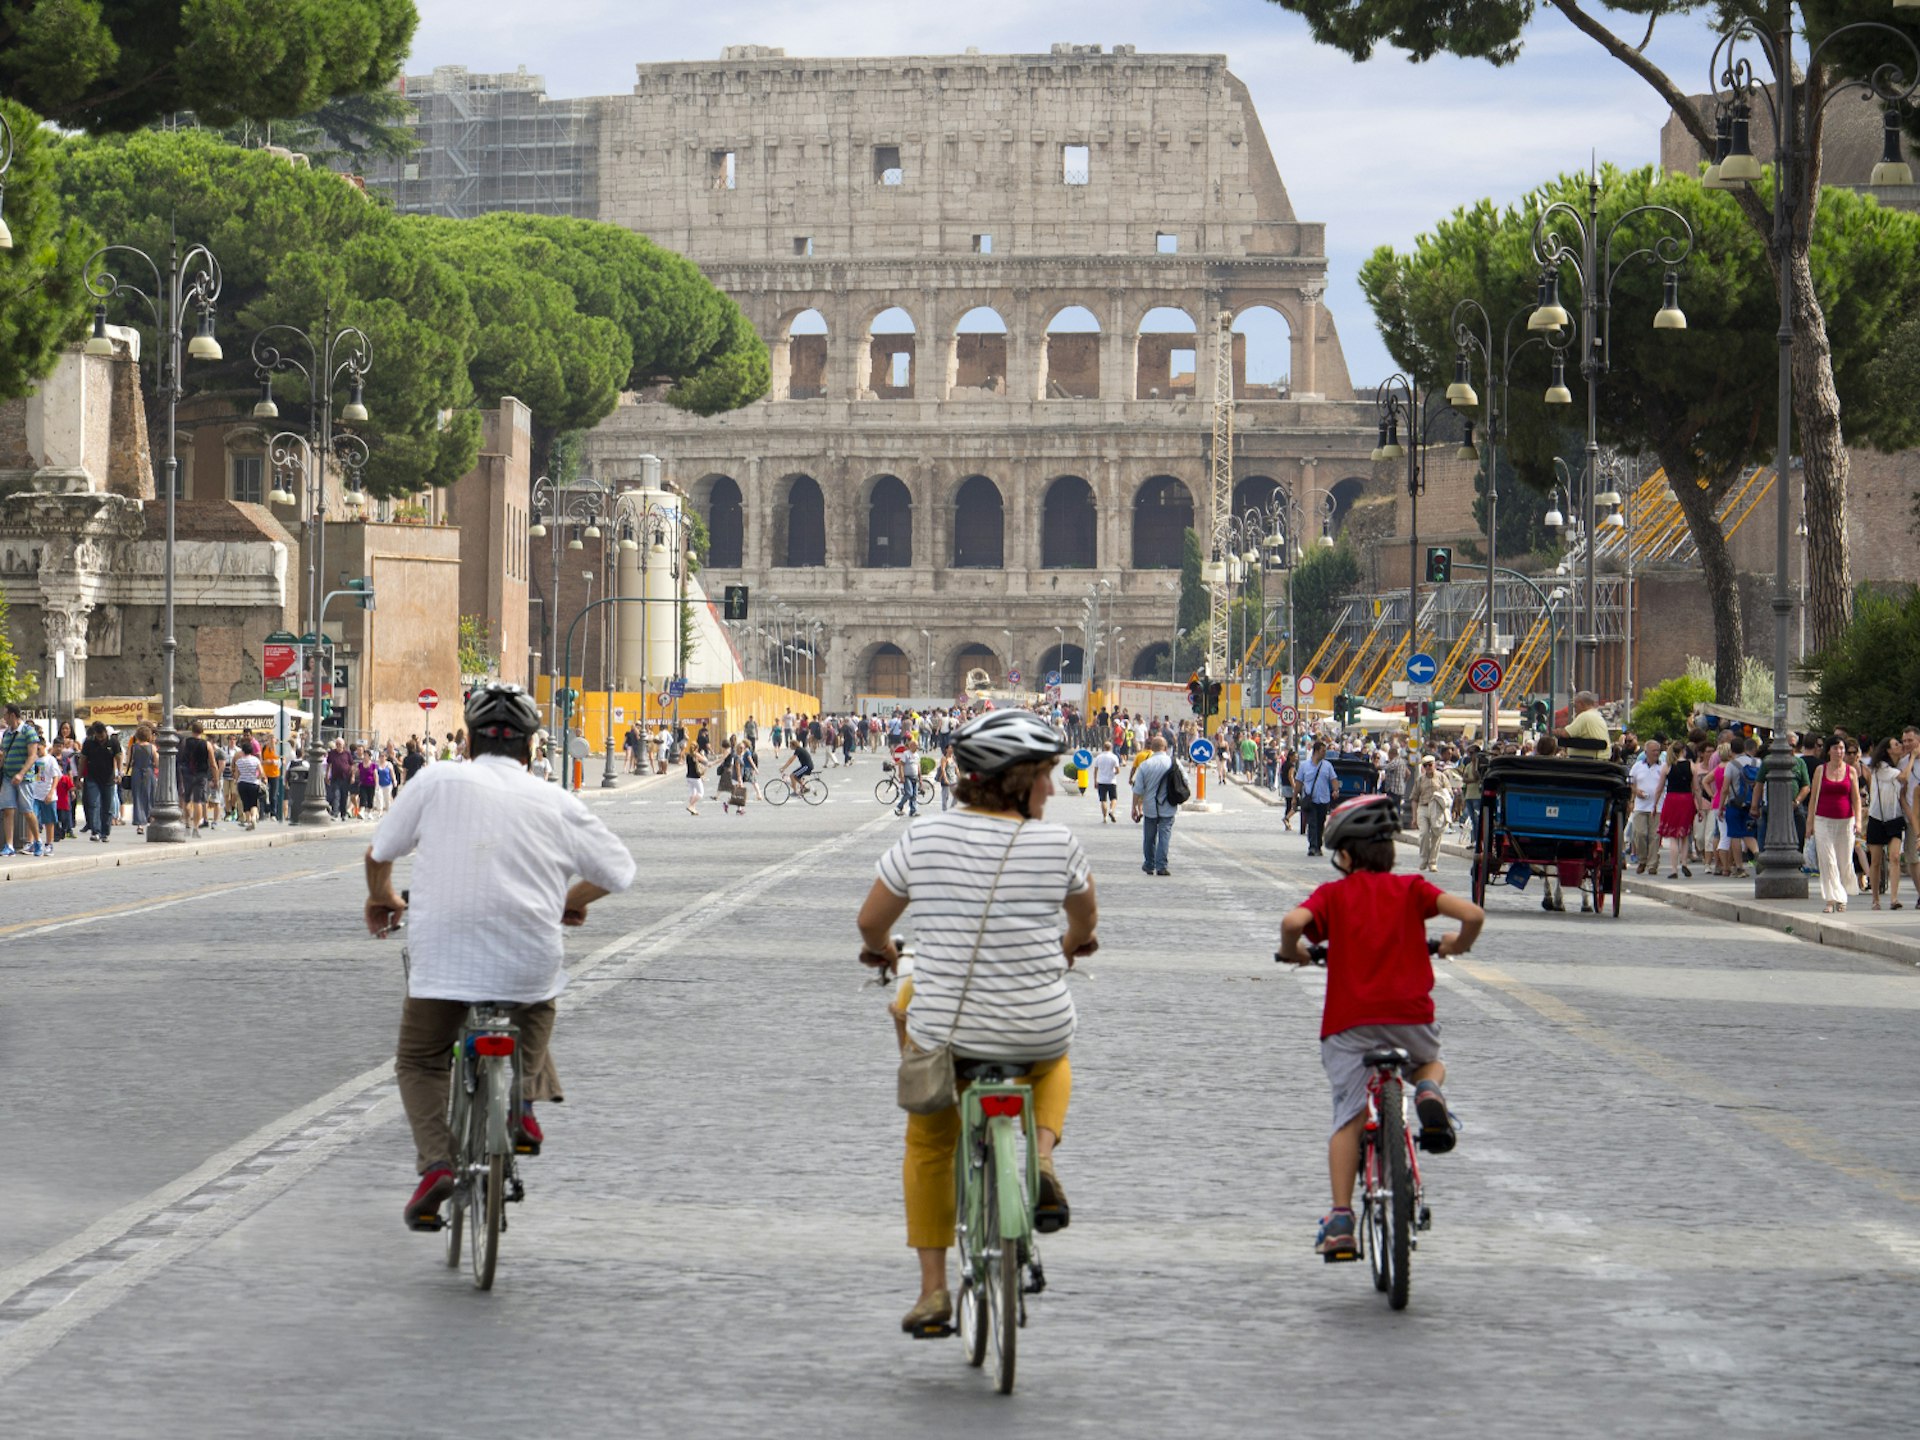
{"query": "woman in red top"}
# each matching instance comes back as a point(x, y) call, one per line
point(1837, 813)
point(1679, 810)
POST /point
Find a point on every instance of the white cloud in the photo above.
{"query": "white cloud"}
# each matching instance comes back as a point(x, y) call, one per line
point(1377, 151)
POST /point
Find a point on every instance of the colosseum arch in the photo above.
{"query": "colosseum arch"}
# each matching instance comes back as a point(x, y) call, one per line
point(892, 362)
point(1262, 354)
point(1069, 660)
point(967, 658)
point(799, 357)
point(1346, 493)
point(1255, 492)
point(1152, 663)
point(717, 500)
point(1069, 526)
point(1162, 515)
point(977, 364)
point(979, 525)
point(889, 672)
point(1166, 355)
point(800, 524)
point(889, 524)
point(1070, 366)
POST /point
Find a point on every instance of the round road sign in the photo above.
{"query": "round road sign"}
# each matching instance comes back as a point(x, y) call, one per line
point(1289, 715)
point(1013, 677)
point(1306, 684)
point(428, 699)
point(1484, 675)
point(1082, 759)
point(1278, 706)
point(1053, 678)
point(1201, 751)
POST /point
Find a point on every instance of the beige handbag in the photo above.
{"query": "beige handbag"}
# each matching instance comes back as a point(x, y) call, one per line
point(927, 1084)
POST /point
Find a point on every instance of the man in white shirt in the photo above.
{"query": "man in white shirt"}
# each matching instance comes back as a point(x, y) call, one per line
point(1106, 781)
point(494, 882)
point(1648, 776)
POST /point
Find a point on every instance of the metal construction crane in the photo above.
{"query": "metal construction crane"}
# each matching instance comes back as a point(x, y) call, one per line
point(1220, 507)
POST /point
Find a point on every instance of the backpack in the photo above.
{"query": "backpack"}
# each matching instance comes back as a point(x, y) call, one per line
point(1743, 778)
point(1174, 789)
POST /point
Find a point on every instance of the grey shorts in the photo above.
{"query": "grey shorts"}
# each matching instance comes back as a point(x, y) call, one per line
point(14, 797)
point(1343, 1056)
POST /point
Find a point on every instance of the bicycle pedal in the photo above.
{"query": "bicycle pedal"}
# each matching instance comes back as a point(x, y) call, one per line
point(516, 1192)
point(427, 1223)
point(1337, 1257)
point(1036, 1280)
point(1437, 1142)
point(932, 1332)
point(1425, 1221)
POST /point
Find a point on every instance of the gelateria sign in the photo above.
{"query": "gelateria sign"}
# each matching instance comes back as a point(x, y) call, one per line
point(120, 710)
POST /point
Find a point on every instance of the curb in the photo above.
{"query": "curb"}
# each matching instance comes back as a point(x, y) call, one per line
point(145, 852)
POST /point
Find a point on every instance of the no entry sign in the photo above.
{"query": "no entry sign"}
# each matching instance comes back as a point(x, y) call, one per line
point(1484, 675)
point(428, 699)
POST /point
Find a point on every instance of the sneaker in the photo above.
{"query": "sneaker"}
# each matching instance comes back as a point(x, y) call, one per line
point(932, 1316)
point(423, 1210)
point(1051, 1211)
point(37, 850)
point(5, 850)
point(1436, 1124)
point(1336, 1239)
point(527, 1135)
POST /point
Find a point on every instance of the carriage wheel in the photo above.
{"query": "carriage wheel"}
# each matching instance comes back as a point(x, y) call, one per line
point(1619, 866)
point(1483, 856)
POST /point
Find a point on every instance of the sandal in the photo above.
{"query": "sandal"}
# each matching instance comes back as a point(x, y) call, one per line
point(932, 1316)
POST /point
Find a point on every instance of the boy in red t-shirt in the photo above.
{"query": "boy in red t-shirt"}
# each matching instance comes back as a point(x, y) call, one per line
point(1379, 986)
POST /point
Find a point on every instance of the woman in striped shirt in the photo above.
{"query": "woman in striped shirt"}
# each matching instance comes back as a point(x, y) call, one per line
point(988, 875)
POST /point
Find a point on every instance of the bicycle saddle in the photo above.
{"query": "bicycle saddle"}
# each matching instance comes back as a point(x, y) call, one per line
point(1392, 1056)
point(988, 1070)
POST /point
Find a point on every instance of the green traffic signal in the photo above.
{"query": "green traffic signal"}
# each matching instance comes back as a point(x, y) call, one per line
point(1439, 565)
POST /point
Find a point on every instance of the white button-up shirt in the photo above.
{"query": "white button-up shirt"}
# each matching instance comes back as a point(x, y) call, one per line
point(497, 852)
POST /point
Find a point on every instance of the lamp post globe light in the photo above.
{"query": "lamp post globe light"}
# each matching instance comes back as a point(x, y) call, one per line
point(1589, 260)
point(562, 511)
point(331, 356)
point(189, 283)
point(1734, 88)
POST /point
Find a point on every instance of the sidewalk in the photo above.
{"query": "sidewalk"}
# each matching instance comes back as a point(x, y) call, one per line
point(1891, 934)
point(77, 855)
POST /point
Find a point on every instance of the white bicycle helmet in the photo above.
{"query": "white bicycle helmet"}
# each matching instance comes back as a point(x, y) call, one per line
point(990, 743)
point(501, 711)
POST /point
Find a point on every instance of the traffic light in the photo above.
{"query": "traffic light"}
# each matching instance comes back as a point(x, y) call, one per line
point(736, 602)
point(1214, 688)
point(1194, 701)
point(1341, 702)
point(363, 585)
point(1439, 565)
point(1537, 715)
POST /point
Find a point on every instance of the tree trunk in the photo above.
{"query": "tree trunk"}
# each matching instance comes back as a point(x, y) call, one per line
point(1723, 585)
point(1823, 451)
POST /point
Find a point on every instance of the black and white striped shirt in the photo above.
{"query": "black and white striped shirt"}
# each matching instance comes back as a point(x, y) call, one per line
point(1018, 1007)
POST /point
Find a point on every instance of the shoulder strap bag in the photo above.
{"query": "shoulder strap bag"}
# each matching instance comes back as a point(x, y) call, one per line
point(927, 1085)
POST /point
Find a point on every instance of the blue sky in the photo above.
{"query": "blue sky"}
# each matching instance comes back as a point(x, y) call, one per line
point(1378, 151)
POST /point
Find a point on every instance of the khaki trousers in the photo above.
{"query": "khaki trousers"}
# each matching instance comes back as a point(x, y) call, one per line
point(1644, 837)
point(429, 1029)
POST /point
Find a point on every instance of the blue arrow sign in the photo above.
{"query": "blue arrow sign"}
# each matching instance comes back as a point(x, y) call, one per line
point(1421, 668)
point(1053, 677)
point(1082, 759)
point(1201, 751)
point(676, 687)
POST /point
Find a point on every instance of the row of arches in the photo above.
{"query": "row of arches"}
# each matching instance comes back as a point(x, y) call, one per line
point(1162, 511)
point(975, 358)
point(890, 670)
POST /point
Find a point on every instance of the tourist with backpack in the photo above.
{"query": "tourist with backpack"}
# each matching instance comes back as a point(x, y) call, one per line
point(1159, 790)
point(1741, 818)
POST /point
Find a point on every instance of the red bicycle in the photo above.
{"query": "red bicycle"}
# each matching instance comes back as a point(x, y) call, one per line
point(1393, 1209)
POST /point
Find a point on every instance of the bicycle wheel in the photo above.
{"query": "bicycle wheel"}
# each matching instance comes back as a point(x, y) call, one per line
point(487, 1197)
point(1002, 1290)
point(1373, 1218)
point(926, 791)
point(816, 790)
point(775, 792)
point(885, 791)
point(456, 1211)
point(1399, 1198)
point(970, 1310)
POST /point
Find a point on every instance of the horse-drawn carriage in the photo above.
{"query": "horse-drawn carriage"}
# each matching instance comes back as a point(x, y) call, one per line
point(1559, 815)
point(1356, 774)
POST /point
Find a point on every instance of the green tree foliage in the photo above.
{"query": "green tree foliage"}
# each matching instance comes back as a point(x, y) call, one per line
point(43, 302)
point(16, 685)
point(1700, 400)
point(119, 64)
point(1870, 675)
point(289, 240)
point(345, 132)
point(476, 646)
point(1195, 604)
point(1666, 707)
point(1492, 30)
point(1320, 579)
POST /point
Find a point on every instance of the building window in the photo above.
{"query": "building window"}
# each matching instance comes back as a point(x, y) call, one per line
point(1165, 243)
point(983, 244)
point(249, 479)
point(720, 169)
point(803, 245)
point(886, 165)
point(1076, 164)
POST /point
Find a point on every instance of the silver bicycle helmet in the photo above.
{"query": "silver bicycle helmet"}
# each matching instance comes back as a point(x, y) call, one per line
point(990, 743)
point(501, 711)
point(1365, 817)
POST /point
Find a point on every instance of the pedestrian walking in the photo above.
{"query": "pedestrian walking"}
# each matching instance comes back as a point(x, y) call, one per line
point(100, 754)
point(1835, 791)
point(1679, 809)
point(1315, 781)
point(42, 782)
point(17, 741)
point(1886, 781)
point(946, 771)
point(248, 778)
point(1433, 803)
point(696, 785)
point(143, 769)
point(1155, 805)
point(1648, 778)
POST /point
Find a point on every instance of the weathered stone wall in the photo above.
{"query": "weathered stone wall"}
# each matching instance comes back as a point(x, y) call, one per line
point(490, 504)
point(410, 641)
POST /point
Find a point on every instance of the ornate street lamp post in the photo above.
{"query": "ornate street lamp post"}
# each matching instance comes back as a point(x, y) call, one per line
point(336, 354)
point(190, 282)
point(566, 510)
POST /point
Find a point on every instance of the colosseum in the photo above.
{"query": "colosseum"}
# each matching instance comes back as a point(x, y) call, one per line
point(990, 286)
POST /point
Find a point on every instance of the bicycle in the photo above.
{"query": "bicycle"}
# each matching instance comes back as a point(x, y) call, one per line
point(887, 792)
point(811, 788)
point(996, 1177)
point(1393, 1208)
point(486, 1175)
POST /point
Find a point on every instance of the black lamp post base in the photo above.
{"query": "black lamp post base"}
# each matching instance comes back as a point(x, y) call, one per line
point(166, 825)
point(1780, 876)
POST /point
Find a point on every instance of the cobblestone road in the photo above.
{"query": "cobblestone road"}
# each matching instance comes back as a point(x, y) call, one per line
point(1687, 1201)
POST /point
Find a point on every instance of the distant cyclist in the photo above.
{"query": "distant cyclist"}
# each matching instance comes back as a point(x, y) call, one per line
point(503, 862)
point(798, 765)
point(989, 884)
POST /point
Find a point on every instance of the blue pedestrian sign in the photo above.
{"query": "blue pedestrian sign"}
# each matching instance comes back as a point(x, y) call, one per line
point(1082, 759)
point(1421, 668)
point(677, 687)
point(1201, 751)
point(1053, 677)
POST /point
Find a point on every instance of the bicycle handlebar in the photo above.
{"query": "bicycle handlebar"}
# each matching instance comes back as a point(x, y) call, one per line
point(1317, 953)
